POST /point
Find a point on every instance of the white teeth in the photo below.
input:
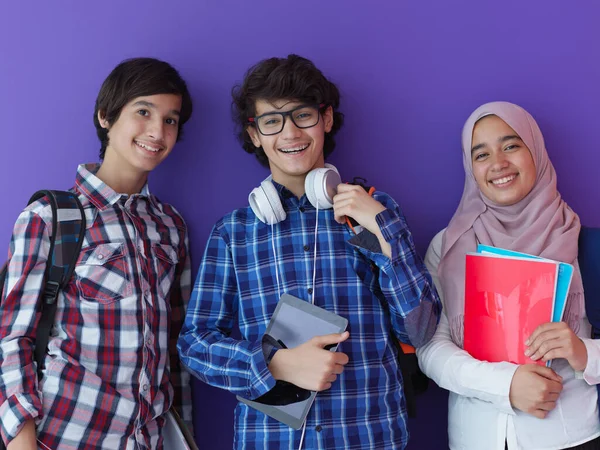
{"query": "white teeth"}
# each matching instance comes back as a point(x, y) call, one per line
point(147, 147)
point(504, 180)
point(294, 150)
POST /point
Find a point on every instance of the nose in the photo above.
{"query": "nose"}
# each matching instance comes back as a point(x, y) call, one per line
point(500, 161)
point(290, 130)
point(156, 129)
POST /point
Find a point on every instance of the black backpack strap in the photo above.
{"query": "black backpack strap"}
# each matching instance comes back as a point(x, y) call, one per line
point(409, 368)
point(68, 230)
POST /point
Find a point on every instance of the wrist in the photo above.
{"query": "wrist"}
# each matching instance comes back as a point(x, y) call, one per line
point(25, 438)
point(277, 364)
point(582, 361)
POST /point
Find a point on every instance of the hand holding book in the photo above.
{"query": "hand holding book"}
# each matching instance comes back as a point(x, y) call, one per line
point(509, 297)
point(556, 340)
point(535, 389)
point(309, 365)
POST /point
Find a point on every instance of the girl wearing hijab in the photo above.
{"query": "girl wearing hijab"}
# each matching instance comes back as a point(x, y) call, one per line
point(510, 201)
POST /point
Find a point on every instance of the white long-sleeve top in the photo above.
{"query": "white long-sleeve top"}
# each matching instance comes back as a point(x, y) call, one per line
point(480, 416)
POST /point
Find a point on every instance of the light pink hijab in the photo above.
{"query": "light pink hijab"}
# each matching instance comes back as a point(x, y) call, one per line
point(541, 224)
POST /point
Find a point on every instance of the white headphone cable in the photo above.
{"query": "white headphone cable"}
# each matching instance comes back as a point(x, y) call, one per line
point(275, 255)
point(302, 437)
point(312, 297)
point(315, 255)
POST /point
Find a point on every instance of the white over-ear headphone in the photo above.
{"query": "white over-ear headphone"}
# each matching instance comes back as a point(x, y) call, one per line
point(320, 186)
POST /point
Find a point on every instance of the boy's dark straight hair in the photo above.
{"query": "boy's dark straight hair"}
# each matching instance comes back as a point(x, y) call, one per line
point(134, 78)
point(291, 78)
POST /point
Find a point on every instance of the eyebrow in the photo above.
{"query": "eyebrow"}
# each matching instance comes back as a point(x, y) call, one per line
point(153, 106)
point(500, 140)
point(278, 110)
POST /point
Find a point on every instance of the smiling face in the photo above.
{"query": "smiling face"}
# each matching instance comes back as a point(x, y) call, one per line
point(503, 166)
point(294, 151)
point(144, 134)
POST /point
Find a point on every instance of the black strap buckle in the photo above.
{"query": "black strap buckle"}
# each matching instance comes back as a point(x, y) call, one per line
point(51, 292)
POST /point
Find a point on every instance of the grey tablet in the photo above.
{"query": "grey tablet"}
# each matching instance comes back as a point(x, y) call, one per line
point(294, 322)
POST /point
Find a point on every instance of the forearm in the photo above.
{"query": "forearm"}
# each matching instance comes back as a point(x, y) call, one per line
point(235, 365)
point(455, 370)
point(406, 284)
point(19, 399)
point(26, 438)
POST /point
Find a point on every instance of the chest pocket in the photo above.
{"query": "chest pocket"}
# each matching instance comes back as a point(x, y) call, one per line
point(103, 273)
point(165, 261)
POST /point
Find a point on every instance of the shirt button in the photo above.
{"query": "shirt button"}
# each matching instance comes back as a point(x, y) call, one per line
point(310, 291)
point(100, 256)
point(306, 248)
point(302, 209)
point(318, 428)
point(145, 387)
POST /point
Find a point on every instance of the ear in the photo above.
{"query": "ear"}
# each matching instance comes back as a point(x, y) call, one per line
point(328, 119)
point(253, 133)
point(101, 119)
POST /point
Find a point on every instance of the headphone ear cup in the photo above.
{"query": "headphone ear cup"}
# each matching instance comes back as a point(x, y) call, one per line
point(321, 185)
point(309, 187)
point(332, 167)
point(265, 203)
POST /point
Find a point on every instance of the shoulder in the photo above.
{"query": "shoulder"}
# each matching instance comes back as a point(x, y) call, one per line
point(39, 211)
point(236, 225)
point(238, 218)
point(40, 207)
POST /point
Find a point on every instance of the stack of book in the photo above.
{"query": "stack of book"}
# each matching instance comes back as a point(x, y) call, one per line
point(507, 296)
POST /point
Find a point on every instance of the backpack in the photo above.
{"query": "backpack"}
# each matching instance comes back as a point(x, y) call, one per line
point(589, 265)
point(68, 229)
point(415, 382)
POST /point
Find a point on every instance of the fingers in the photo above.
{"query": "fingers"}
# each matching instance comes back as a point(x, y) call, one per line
point(542, 409)
point(545, 327)
point(547, 373)
point(539, 413)
point(543, 345)
point(328, 339)
point(547, 337)
point(343, 208)
point(340, 359)
point(338, 369)
point(321, 387)
point(344, 187)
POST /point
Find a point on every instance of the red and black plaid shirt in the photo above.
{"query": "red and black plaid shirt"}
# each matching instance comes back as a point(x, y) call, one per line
point(112, 368)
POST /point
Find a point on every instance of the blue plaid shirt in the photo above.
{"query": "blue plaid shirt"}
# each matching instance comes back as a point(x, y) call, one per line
point(380, 297)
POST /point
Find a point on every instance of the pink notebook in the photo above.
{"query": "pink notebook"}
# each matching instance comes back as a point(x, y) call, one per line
point(506, 299)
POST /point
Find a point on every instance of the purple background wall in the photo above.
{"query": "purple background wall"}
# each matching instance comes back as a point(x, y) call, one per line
point(410, 74)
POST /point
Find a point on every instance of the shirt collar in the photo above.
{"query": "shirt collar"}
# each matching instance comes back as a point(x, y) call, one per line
point(288, 197)
point(97, 191)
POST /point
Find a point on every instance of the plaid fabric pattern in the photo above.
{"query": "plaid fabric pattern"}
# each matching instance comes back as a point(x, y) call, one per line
point(237, 287)
point(109, 373)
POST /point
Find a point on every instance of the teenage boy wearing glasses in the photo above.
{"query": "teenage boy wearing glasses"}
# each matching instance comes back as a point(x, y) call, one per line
point(287, 114)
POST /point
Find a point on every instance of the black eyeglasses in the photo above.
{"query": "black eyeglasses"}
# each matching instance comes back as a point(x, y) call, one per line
point(304, 116)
